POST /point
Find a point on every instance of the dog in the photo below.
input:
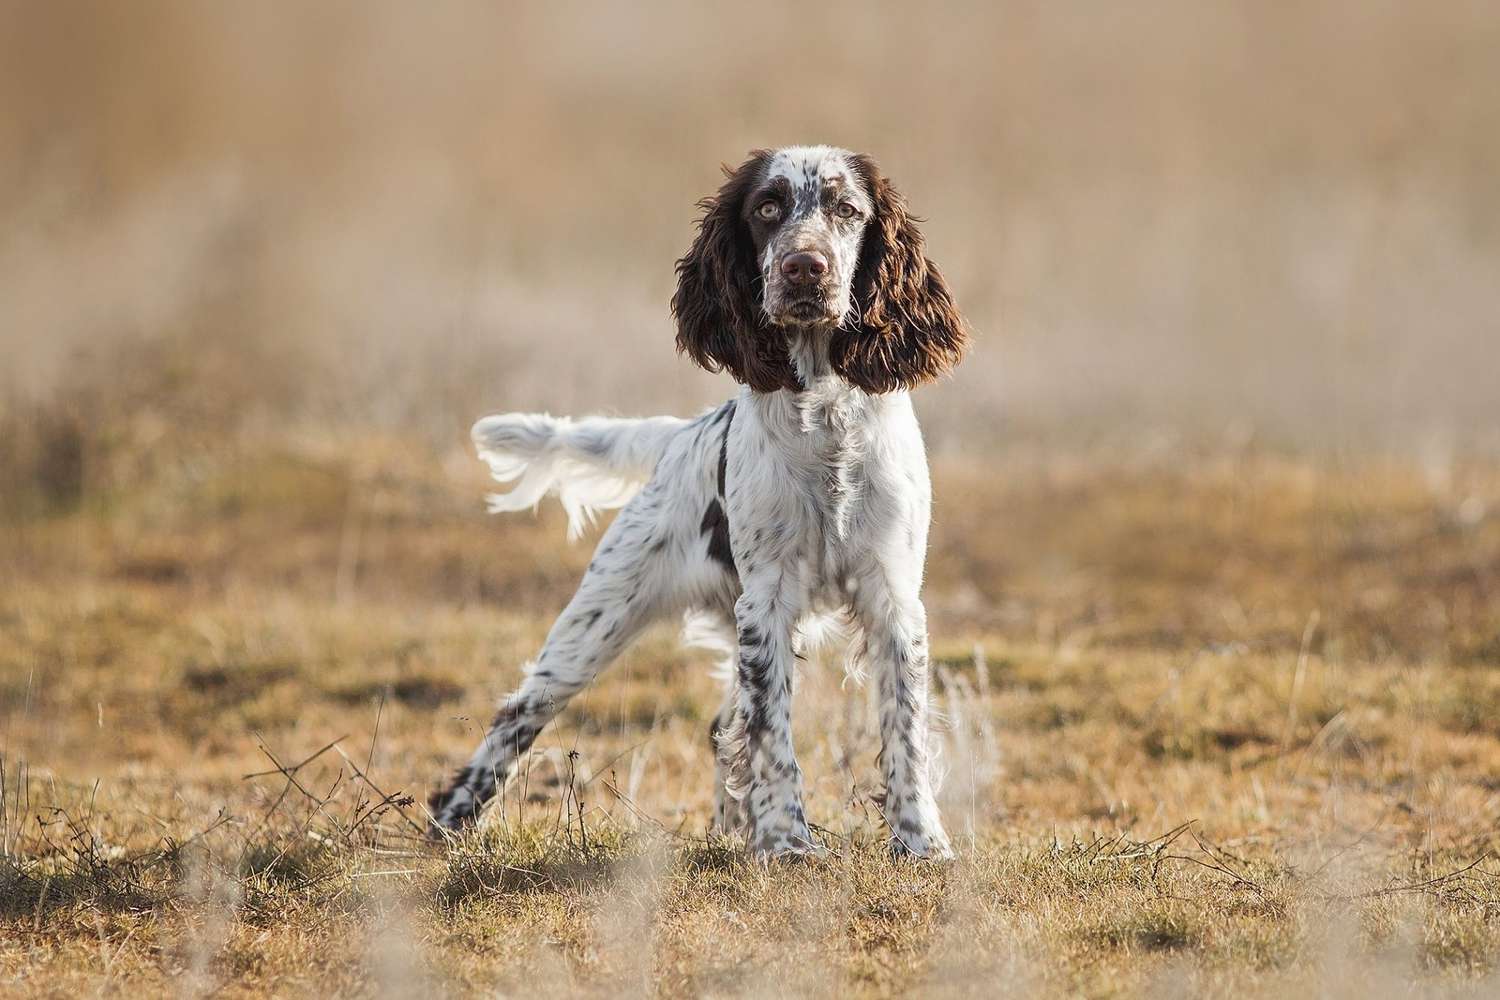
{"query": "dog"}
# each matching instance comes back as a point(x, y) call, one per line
point(806, 493)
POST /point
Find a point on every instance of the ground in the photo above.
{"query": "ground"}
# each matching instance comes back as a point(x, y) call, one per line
point(1217, 724)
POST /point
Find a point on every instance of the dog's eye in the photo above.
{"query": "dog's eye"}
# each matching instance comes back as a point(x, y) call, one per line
point(770, 211)
point(847, 210)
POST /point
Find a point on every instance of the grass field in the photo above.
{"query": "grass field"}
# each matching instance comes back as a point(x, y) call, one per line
point(1215, 725)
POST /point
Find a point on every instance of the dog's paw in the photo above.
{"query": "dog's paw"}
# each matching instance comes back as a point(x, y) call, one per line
point(792, 854)
point(789, 844)
point(450, 811)
point(916, 844)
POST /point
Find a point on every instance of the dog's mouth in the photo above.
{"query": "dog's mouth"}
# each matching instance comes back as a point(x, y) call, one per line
point(807, 307)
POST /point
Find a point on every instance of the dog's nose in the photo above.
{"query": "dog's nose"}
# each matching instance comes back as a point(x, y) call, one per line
point(804, 267)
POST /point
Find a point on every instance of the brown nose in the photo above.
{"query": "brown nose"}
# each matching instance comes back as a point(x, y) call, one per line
point(804, 267)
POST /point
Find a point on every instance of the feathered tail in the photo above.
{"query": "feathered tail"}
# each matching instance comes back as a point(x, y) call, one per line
point(591, 464)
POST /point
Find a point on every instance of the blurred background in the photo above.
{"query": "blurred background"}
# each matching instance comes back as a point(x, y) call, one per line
point(1169, 222)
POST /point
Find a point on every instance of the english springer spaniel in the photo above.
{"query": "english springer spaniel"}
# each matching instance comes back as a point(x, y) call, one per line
point(805, 494)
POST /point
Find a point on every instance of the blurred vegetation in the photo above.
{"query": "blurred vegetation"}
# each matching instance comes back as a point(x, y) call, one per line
point(1183, 221)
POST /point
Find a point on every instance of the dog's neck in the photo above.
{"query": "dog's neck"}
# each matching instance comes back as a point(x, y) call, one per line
point(807, 346)
point(828, 406)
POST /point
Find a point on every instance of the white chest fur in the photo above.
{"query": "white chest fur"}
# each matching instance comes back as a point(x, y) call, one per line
point(835, 471)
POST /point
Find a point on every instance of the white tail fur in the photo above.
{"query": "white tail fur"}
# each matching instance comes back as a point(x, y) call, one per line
point(591, 464)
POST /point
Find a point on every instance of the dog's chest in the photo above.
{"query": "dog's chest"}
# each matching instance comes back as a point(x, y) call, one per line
point(834, 426)
point(824, 481)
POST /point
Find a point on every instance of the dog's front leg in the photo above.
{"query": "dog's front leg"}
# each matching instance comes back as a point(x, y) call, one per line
point(766, 615)
point(895, 636)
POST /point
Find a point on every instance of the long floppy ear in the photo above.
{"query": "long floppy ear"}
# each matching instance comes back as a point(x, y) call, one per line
point(720, 324)
point(908, 330)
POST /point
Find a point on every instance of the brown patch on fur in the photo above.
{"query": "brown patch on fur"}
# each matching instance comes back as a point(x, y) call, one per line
point(720, 324)
point(909, 329)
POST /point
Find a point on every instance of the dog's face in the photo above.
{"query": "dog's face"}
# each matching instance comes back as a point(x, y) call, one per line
point(812, 239)
point(806, 217)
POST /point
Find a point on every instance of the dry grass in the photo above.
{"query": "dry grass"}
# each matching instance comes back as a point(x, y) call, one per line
point(1216, 725)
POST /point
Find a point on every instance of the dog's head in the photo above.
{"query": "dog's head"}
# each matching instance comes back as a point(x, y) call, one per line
point(814, 239)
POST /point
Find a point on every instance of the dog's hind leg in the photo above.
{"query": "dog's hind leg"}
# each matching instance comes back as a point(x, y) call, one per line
point(726, 737)
point(628, 585)
point(711, 627)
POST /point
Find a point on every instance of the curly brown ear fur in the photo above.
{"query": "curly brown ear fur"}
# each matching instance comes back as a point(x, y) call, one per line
point(719, 320)
point(908, 330)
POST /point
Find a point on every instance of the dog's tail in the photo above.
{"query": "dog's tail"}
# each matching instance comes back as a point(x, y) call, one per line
point(591, 464)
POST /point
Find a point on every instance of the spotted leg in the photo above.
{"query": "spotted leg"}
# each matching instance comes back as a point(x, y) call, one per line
point(895, 636)
point(766, 614)
point(623, 591)
point(726, 737)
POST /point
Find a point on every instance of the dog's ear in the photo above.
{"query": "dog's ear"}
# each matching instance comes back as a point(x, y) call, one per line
point(907, 330)
point(720, 324)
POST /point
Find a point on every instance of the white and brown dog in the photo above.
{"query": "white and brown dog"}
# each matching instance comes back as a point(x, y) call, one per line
point(806, 493)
